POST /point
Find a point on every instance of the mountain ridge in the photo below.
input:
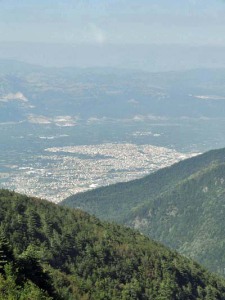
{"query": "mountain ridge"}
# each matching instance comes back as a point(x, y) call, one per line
point(172, 205)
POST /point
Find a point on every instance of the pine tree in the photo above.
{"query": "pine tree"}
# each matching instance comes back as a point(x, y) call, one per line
point(3, 260)
point(6, 254)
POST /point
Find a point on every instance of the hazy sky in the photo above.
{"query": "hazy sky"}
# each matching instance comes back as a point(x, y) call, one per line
point(100, 33)
point(191, 22)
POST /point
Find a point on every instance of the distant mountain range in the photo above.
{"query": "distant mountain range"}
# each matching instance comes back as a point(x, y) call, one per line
point(108, 92)
point(181, 106)
point(182, 206)
point(51, 252)
point(151, 58)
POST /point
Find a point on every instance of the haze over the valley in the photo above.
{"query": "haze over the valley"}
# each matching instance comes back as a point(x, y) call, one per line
point(91, 74)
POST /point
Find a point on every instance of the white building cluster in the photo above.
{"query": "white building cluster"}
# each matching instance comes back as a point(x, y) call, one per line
point(64, 171)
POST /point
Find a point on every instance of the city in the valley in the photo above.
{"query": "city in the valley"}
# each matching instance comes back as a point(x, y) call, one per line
point(62, 171)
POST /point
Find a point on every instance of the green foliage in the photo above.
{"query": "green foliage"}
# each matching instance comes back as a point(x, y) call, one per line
point(69, 254)
point(181, 206)
point(17, 284)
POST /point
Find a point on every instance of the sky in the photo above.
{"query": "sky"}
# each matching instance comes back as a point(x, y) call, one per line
point(193, 23)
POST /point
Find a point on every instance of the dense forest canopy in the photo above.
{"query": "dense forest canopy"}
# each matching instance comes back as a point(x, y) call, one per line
point(61, 253)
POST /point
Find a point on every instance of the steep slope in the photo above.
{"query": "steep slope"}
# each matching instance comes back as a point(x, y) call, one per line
point(190, 217)
point(79, 257)
point(181, 206)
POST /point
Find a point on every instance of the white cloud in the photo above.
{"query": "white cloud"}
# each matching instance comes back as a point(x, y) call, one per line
point(14, 97)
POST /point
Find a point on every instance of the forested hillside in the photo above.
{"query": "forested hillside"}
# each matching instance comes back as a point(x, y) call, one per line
point(182, 206)
point(51, 252)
